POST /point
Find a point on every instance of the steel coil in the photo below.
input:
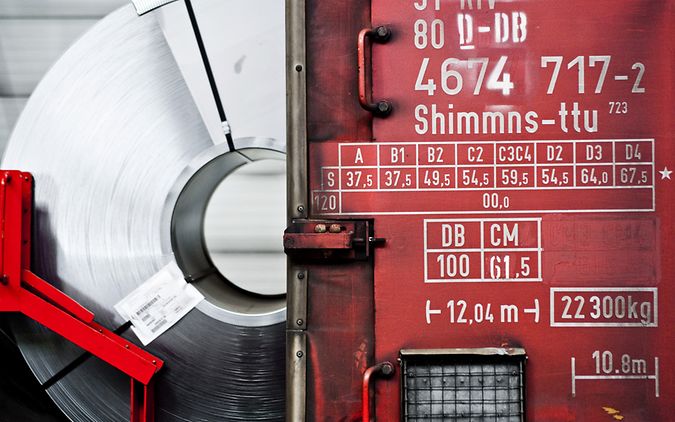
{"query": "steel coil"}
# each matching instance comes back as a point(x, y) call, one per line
point(114, 140)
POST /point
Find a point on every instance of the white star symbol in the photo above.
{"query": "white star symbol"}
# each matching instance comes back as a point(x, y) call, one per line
point(665, 173)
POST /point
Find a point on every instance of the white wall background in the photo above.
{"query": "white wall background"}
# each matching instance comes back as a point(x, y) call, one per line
point(33, 34)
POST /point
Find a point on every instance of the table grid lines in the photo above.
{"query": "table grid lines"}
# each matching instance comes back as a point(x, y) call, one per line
point(513, 168)
point(483, 250)
point(533, 166)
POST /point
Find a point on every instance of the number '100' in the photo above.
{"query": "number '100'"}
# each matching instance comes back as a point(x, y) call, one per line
point(452, 265)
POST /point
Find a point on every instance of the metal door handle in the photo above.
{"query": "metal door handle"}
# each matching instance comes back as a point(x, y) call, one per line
point(384, 370)
point(380, 35)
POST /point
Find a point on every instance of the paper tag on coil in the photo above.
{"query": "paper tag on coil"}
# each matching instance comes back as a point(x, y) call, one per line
point(159, 303)
point(145, 6)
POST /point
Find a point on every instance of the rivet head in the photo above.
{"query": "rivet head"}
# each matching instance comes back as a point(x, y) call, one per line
point(301, 208)
point(335, 228)
point(299, 322)
point(299, 354)
point(301, 276)
point(384, 107)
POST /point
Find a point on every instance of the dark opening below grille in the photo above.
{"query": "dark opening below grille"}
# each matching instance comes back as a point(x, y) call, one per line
point(463, 388)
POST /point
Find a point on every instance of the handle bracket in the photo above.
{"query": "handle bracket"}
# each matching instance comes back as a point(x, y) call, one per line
point(379, 35)
point(382, 370)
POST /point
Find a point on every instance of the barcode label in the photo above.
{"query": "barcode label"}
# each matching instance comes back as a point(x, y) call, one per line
point(159, 303)
point(147, 306)
point(159, 325)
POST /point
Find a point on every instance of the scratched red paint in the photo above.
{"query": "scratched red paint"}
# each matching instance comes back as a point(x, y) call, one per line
point(585, 172)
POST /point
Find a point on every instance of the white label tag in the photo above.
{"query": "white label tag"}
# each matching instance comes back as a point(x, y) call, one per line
point(159, 303)
point(144, 6)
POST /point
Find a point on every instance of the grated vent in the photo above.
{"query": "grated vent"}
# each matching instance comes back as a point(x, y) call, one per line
point(463, 388)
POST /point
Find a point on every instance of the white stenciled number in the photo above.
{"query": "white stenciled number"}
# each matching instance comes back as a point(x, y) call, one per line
point(608, 307)
point(513, 177)
point(423, 4)
point(437, 34)
point(495, 201)
point(618, 107)
point(421, 34)
point(461, 308)
point(568, 305)
point(545, 60)
point(324, 202)
point(500, 80)
point(603, 361)
point(353, 178)
point(579, 62)
point(637, 89)
point(581, 76)
point(483, 62)
point(432, 178)
point(452, 265)
point(451, 80)
point(603, 73)
point(525, 266)
point(420, 85)
point(426, 34)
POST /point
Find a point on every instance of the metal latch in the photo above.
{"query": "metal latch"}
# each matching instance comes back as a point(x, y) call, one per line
point(325, 239)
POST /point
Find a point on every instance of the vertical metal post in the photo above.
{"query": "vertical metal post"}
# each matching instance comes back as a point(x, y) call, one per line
point(297, 206)
point(142, 401)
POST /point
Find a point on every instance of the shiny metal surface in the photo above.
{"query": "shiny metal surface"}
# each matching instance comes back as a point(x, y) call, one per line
point(28, 47)
point(245, 43)
point(10, 109)
point(57, 8)
point(111, 134)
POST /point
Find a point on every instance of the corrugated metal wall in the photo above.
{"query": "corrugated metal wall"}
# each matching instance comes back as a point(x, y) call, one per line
point(33, 34)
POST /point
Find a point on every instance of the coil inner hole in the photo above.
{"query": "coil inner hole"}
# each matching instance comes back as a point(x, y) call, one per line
point(227, 229)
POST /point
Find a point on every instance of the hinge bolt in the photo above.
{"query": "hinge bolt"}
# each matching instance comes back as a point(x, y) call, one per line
point(299, 322)
point(301, 208)
point(299, 354)
point(383, 32)
point(387, 369)
point(301, 276)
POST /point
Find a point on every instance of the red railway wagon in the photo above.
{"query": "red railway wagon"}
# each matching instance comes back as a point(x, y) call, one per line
point(481, 206)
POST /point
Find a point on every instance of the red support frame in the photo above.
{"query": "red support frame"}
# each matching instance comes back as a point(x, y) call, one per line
point(24, 292)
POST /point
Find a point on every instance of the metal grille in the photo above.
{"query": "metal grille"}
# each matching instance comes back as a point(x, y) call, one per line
point(463, 388)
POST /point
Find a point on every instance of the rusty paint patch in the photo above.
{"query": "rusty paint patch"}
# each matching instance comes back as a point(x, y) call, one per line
point(361, 356)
